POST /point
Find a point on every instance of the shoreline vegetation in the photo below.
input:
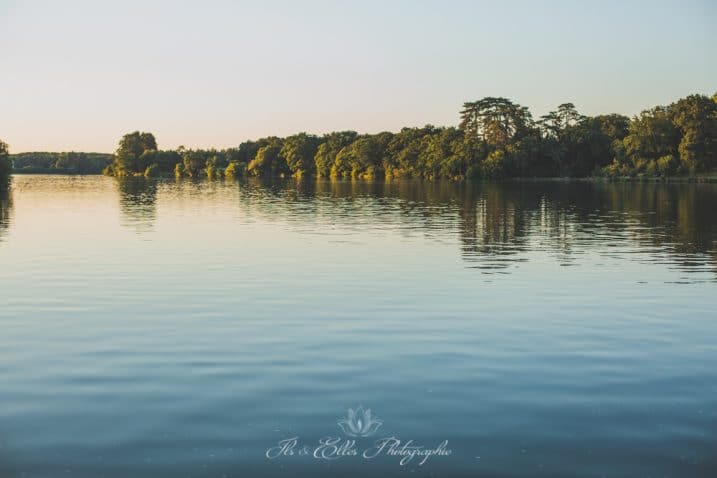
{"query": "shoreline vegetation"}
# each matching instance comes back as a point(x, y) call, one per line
point(496, 139)
point(60, 163)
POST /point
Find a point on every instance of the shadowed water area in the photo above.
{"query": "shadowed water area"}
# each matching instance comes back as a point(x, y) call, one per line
point(162, 328)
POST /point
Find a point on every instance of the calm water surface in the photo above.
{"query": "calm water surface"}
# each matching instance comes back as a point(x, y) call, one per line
point(180, 329)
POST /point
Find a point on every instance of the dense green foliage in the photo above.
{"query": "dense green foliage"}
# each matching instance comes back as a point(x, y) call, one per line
point(680, 138)
point(137, 154)
point(60, 163)
point(496, 138)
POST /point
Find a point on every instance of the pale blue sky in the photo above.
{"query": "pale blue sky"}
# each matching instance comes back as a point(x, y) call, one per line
point(76, 75)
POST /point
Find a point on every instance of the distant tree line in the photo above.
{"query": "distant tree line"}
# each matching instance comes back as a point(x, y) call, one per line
point(61, 163)
point(496, 138)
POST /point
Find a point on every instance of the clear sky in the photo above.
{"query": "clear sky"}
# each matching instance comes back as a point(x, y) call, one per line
point(76, 75)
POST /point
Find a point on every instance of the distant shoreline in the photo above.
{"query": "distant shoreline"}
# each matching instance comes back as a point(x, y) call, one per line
point(496, 139)
point(708, 178)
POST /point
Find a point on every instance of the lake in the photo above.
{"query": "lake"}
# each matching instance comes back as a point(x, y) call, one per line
point(162, 328)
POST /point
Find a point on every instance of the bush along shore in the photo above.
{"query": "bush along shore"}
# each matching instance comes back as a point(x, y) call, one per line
point(495, 139)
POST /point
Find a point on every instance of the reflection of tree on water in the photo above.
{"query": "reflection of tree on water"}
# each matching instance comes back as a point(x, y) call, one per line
point(675, 218)
point(569, 218)
point(500, 225)
point(5, 206)
point(493, 228)
point(408, 206)
point(138, 203)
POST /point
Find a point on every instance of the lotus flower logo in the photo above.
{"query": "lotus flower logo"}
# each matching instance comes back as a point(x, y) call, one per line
point(359, 423)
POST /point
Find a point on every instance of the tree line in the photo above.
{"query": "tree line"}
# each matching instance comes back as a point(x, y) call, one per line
point(496, 138)
point(60, 163)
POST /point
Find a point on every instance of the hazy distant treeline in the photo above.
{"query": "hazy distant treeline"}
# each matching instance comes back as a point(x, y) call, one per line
point(61, 163)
